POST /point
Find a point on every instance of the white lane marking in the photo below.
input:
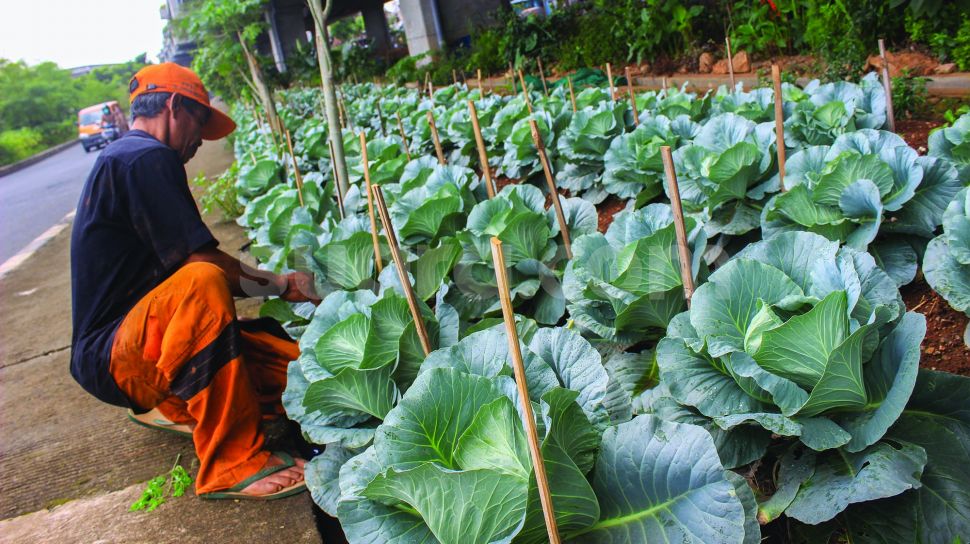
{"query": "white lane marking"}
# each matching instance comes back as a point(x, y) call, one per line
point(13, 262)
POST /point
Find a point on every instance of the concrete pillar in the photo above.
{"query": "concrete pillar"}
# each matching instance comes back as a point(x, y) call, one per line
point(422, 28)
point(375, 24)
point(292, 24)
point(273, 33)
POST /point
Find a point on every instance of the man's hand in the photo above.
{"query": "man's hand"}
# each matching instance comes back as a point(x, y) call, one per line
point(300, 288)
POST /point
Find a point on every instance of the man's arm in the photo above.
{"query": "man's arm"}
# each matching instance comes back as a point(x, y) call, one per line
point(246, 281)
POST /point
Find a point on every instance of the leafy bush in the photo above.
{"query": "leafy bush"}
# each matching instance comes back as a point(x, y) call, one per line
point(220, 193)
point(19, 144)
point(909, 96)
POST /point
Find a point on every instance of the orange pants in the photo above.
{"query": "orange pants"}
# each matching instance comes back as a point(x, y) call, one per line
point(181, 349)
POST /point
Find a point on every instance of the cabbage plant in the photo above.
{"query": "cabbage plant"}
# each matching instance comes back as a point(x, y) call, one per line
point(521, 159)
point(450, 463)
point(357, 354)
point(583, 144)
point(946, 263)
point(433, 204)
point(633, 164)
point(626, 285)
point(810, 342)
point(344, 258)
point(728, 164)
point(517, 216)
point(674, 102)
point(953, 144)
point(867, 181)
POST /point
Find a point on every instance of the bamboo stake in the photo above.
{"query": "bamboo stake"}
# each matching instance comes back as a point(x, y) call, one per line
point(551, 184)
point(481, 90)
point(296, 169)
point(253, 157)
point(683, 249)
point(518, 369)
point(454, 77)
point(512, 77)
point(542, 76)
point(730, 61)
point(887, 85)
point(609, 76)
point(340, 112)
point(434, 138)
point(525, 93)
point(380, 117)
point(572, 93)
point(404, 137)
point(370, 204)
point(633, 97)
point(402, 273)
point(779, 124)
point(333, 170)
point(482, 152)
point(664, 84)
point(431, 91)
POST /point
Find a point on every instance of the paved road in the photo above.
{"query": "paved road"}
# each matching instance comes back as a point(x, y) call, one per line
point(37, 197)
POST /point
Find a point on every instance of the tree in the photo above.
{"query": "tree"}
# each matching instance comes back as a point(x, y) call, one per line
point(225, 33)
point(320, 14)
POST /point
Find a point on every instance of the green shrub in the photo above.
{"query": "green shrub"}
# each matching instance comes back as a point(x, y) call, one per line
point(19, 144)
point(910, 97)
point(405, 70)
point(220, 193)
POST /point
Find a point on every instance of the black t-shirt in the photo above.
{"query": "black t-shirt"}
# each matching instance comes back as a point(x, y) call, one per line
point(136, 223)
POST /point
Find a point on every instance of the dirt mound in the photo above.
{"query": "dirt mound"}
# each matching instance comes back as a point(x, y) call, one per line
point(912, 62)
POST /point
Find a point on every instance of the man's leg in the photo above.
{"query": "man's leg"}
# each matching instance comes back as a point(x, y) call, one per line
point(183, 340)
point(267, 354)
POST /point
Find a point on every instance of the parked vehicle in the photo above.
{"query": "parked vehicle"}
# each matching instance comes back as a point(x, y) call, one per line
point(101, 124)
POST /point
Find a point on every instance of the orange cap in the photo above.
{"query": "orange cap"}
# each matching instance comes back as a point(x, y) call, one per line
point(169, 77)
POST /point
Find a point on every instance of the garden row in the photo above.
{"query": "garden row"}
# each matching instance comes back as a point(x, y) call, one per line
point(792, 369)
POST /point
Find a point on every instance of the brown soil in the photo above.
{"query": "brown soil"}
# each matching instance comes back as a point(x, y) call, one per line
point(943, 347)
point(502, 181)
point(916, 133)
point(607, 209)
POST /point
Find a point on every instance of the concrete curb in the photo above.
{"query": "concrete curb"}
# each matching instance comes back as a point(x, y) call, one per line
point(20, 165)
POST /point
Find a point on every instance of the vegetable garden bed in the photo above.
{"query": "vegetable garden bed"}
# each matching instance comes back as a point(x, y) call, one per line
point(796, 363)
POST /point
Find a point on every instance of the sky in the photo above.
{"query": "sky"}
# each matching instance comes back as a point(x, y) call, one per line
point(80, 32)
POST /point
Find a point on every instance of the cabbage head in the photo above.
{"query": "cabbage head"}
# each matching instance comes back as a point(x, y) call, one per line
point(810, 342)
point(625, 285)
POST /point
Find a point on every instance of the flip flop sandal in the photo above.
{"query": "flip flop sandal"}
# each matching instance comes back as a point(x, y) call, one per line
point(155, 420)
point(235, 492)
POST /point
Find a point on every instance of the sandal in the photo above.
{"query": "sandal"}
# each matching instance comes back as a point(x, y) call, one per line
point(154, 419)
point(235, 492)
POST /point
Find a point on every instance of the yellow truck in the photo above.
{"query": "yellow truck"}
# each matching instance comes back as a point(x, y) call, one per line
point(100, 124)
